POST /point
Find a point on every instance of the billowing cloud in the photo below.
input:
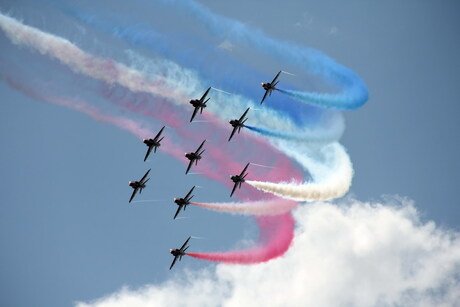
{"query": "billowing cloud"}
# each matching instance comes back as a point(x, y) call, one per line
point(345, 254)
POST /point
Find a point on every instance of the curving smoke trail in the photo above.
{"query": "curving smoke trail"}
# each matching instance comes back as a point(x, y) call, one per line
point(297, 129)
point(333, 173)
point(273, 206)
point(276, 232)
point(274, 241)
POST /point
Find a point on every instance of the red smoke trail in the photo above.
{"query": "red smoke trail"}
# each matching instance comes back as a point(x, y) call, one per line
point(222, 158)
point(276, 234)
point(276, 231)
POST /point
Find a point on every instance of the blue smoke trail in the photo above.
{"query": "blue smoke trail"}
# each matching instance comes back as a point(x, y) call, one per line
point(354, 92)
point(353, 95)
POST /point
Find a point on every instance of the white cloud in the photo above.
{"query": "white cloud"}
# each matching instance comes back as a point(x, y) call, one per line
point(226, 45)
point(347, 254)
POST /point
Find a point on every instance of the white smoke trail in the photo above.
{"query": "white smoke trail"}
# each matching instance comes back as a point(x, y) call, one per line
point(165, 79)
point(81, 62)
point(331, 171)
point(260, 207)
point(288, 73)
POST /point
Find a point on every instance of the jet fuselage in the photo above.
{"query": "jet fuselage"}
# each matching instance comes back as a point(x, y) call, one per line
point(180, 201)
point(136, 184)
point(235, 123)
point(237, 178)
point(267, 86)
point(197, 104)
point(192, 156)
point(151, 142)
point(176, 252)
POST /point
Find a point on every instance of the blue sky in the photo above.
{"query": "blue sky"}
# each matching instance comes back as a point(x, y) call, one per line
point(67, 231)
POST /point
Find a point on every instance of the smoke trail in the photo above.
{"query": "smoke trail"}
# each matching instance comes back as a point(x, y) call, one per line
point(332, 101)
point(276, 232)
point(332, 177)
point(158, 77)
point(276, 237)
point(307, 135)
point(278, 115)
point(353, 91)
point(106, 70)
point(273, 206)
point(330, 168)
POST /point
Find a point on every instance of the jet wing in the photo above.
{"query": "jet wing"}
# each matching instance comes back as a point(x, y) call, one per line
point(245, 168)
point(276, 77)
point(190, 192)
point(205, 94)
point(148, 152)
point(174, 261)
point(189, 166)
point(134, 194)
point(177, 212)
point(244, 114)
point(199, 148)
point(265, 96)
point(158, 134)
point(233, 133)
point(194, 114)
point(183, 245)
point(145, 176)
point(234, 188)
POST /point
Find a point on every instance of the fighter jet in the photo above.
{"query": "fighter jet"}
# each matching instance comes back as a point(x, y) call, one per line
point(178, 253)
point(183, 202)
point(270, 87)
point(194, 157)
point(199, 104)
point(237, 124)
point(153, 143)
point(139, 185)
point(239, 179)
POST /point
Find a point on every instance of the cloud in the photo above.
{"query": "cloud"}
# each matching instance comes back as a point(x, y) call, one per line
point(345, 254)
point(226, 45)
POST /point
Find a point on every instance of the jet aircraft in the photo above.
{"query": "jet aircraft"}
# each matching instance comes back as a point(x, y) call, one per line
point(199, 104)
point(239, 179)
point(194, 157)
point(237, 124)
point(153, 143)
point(139, 185)
point(183, 202)
point(178, 252)
point(270, 87)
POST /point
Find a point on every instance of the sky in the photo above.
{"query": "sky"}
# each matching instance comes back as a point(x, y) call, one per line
point(69, 237)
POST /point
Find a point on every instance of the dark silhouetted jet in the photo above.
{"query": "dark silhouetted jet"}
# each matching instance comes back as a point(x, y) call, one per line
point(239, 179)
point(237, 124)
point(194, 156)
point(139, 185)
point(178, 253)
point(183, 202)
point(199, 104)
point(270, 87)
point(153, 143)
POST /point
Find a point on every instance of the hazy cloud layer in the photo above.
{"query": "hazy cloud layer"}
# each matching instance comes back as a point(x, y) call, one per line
point(345, 254)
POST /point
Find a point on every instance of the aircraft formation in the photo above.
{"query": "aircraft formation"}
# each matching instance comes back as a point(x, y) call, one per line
point(195, 156)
